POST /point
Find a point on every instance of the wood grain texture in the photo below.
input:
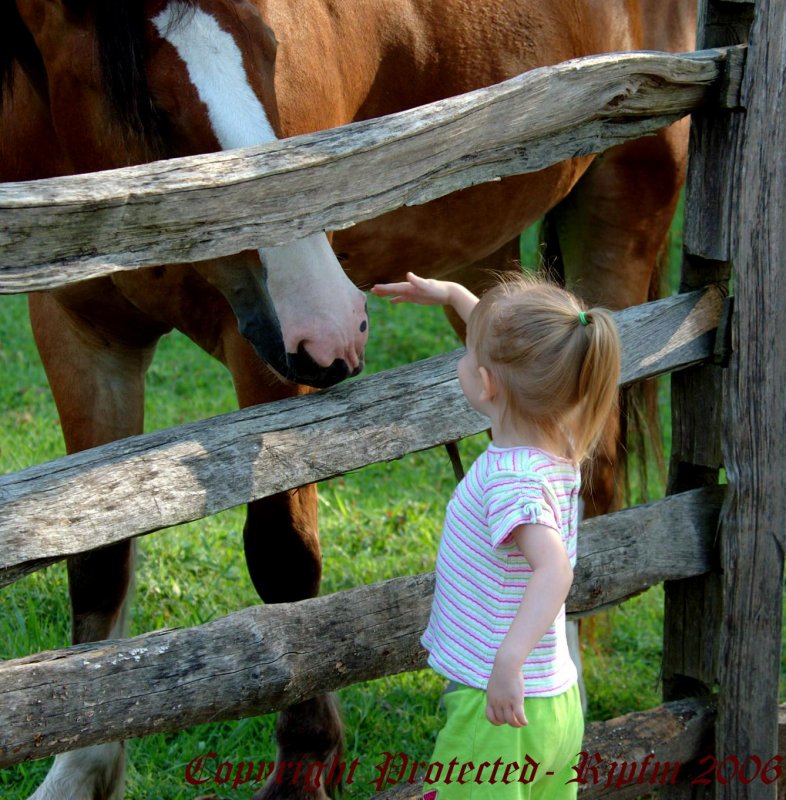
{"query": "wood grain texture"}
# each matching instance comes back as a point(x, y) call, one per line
point(263, 658)
point(622, 554)
point(714, 151)
point(57, 231)
point(145, 483)
point(692, 607)
point(753, 530)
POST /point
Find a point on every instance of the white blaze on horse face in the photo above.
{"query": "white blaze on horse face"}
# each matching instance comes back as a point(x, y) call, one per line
point(317, 305)
point(215, 67)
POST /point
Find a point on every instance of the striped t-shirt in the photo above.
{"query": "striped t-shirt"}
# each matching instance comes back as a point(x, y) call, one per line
point(481, 576)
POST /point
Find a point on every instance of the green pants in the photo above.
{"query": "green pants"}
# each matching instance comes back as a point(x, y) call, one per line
point(475, 760)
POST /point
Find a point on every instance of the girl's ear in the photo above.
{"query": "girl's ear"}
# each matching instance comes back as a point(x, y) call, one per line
point(488, 384)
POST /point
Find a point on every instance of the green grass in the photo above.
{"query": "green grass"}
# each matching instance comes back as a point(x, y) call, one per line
point(376, 523)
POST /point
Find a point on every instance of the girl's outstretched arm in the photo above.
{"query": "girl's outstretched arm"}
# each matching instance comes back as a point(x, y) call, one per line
point(429, 292)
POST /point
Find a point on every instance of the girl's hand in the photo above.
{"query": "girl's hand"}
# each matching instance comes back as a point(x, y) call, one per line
point(505, 695)
point(424, 291)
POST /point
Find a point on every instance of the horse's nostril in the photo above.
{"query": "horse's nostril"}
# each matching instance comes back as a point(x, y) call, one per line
point(364, 326)
point(303, 369)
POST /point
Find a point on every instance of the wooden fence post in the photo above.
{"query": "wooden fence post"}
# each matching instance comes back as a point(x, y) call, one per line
point(753, 523)
point(693, 607)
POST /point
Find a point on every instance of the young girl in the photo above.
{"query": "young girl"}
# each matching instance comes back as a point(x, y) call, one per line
point(545, 372)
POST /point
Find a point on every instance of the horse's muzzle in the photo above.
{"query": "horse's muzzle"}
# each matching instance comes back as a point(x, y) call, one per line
point(297, 367)
point(301, 368)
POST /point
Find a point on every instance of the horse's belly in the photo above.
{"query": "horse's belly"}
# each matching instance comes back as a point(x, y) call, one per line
point(453, 232)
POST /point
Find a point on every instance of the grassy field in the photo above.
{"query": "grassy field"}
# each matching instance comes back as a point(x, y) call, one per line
point(377, 523)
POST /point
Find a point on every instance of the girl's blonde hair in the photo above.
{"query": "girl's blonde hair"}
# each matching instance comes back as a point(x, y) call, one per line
point(552, 369)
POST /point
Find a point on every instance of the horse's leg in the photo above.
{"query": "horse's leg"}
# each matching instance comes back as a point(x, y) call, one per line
point(284, 560)
point(98, 385)
point(610, 233)
point(285, 564)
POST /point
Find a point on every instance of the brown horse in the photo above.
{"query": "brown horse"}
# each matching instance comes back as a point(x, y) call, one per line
point(95, 84)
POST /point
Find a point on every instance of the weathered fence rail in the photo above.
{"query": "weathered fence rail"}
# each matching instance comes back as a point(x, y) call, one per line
point(145, 483)
point(62, 230)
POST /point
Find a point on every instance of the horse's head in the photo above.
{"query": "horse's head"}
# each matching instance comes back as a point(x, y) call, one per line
point(138, 80)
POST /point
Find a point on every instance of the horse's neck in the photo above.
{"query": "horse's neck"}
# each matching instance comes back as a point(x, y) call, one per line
point(354, 60)
point(339, 62)
point(327, 60)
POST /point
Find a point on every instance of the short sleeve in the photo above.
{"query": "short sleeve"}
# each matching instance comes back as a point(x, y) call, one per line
point(513, 501)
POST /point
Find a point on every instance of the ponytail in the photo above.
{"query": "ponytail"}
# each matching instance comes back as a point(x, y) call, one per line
point(556, 364)
point(598, 378)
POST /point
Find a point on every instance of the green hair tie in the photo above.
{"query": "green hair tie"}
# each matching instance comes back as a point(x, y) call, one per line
point(583, 319)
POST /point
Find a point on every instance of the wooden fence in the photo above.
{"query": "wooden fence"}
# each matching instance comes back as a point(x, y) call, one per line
point(267, 657)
